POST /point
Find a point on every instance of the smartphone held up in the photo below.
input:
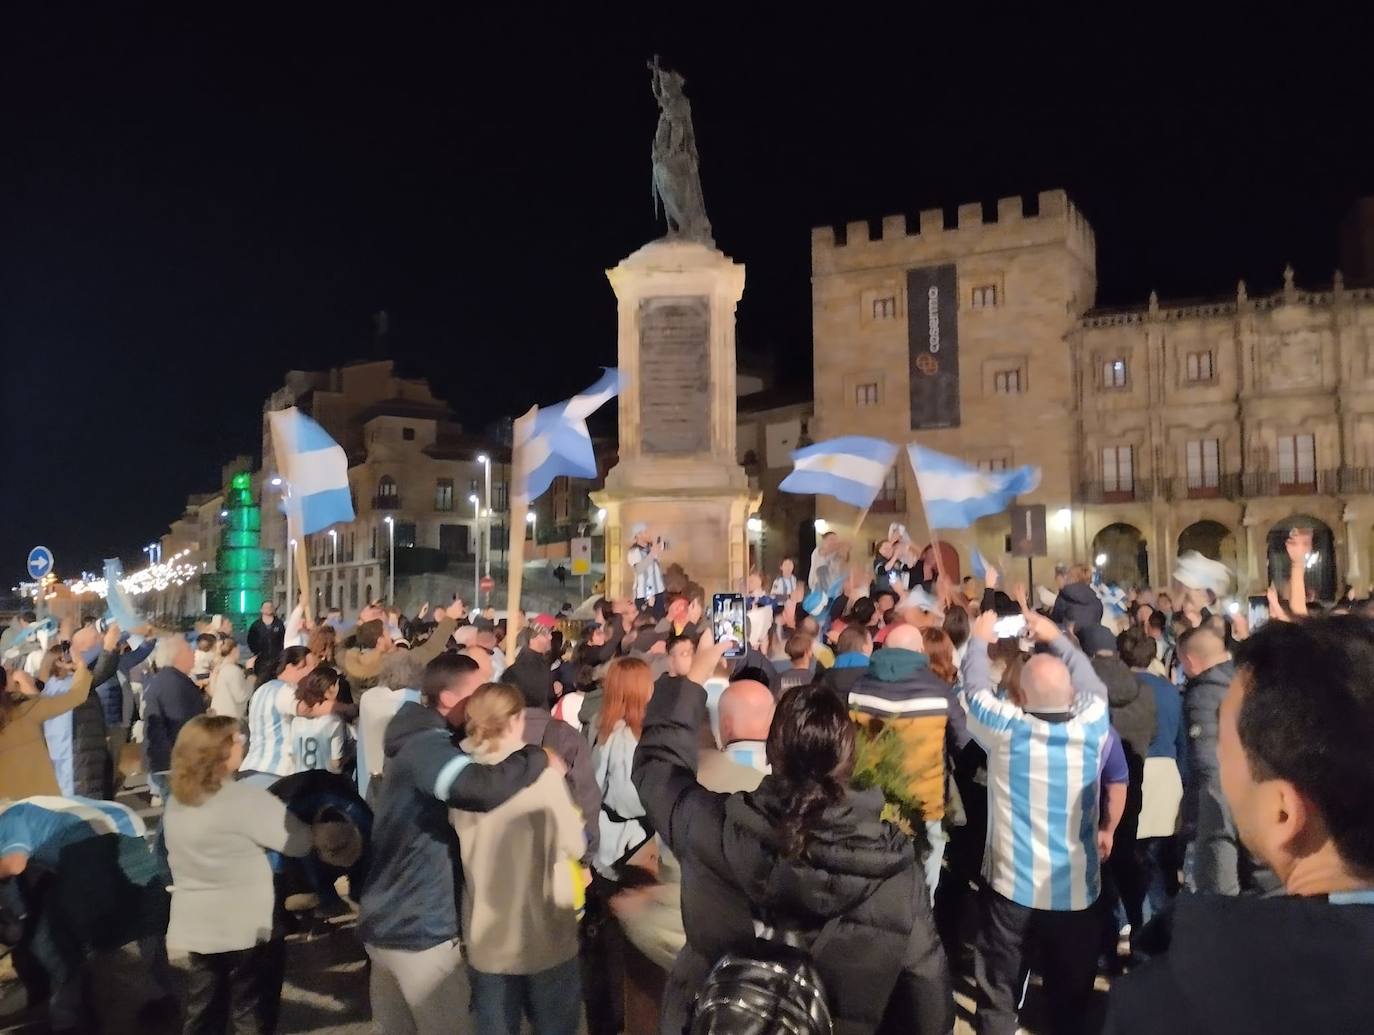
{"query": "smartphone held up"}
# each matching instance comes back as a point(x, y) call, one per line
point(727, 621)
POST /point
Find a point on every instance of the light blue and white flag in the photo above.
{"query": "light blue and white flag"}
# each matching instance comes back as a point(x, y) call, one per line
point(316, 469)
point(956, 495)
point(1113, 597)
point(117, 600)
point(979, 564)
point(554, 440)
point(851, 468)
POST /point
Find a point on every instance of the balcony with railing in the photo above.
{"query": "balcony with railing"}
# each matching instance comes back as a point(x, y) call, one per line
point(1356, 479)
point(386, 501)
point(1100, 492)
point(1270, 483)
point(1225, 487)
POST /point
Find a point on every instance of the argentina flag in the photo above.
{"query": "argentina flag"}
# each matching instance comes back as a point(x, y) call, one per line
point(316, 469)
point(956, 495)
point(554, 441)
point(851, 468)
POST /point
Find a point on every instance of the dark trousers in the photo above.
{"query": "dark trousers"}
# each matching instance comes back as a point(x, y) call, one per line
point(238, 992)
point(1068, 963)
point(551, 999)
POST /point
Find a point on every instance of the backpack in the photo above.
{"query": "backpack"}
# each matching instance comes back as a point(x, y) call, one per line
point(773, 988)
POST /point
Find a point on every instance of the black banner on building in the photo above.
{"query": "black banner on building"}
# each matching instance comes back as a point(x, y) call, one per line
point(933, 329)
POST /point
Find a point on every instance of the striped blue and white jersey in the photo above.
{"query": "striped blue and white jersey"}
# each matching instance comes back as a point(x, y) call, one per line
point(270, 715)
point(1043, 786)
point(42, 826)
point(648, 581)
point(318, 743)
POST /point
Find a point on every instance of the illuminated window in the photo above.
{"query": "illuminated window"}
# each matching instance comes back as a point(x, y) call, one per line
point(1114, 373)
point(443, 494)
point(866, 394)
point(996, 463)
point(984, 296)
point(1007, 382)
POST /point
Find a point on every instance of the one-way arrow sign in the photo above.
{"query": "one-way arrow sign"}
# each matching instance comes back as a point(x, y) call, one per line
point(40, 562)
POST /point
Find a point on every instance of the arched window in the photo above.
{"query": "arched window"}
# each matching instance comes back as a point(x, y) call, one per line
point(367, 596)
point(387, 492)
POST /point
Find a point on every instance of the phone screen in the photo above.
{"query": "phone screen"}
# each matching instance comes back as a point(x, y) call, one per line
point(1009, 626)
point(727, 620)
point(1259, 613)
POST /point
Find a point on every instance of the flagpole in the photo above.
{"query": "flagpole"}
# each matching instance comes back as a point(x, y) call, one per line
point(293, 534)
point(931, 530)
point(519, 507)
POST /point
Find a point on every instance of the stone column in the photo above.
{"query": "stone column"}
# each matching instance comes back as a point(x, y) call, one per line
point(677, 471)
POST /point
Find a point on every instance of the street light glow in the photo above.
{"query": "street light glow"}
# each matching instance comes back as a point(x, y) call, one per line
point(755, 524)
point(1101, 560)
point(275, 482)
point(530, 517)
point(472, 498)
point(388, 520)
point(481, 459)
point(601, 514)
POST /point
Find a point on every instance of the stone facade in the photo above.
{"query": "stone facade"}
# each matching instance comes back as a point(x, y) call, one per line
point(1213, 426)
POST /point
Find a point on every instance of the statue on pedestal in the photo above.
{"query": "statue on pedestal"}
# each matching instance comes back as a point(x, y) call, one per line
point(677, 177)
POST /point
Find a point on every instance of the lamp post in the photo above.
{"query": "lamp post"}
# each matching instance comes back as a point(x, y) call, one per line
point(289, 556)
point(391, 558)
point(485, 461)
point(476, 566)
point(333, 570)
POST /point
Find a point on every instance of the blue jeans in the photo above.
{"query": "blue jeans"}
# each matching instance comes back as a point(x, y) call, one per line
point(935, 834)
point(551, 999)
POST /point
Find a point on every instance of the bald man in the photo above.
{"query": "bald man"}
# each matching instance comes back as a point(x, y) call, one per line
point(746, 713)
point(1217, 856)
point(1047, 833)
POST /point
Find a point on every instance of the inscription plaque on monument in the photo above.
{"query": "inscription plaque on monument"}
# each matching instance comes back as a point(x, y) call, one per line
point(675, 374)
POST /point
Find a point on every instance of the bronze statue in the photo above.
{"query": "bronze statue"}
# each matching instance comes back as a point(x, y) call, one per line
point(677, 178)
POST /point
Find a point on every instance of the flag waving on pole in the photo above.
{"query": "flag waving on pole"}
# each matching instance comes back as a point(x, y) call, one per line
point(851, 468)
point(554, 441)
point(956, 495)
point(316, 469)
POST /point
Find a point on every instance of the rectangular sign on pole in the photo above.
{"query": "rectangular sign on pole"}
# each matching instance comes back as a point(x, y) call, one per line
point(1028, 531)
point(581, 553)
point(932, 313)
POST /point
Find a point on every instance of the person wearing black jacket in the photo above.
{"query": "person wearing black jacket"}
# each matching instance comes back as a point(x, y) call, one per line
point(409, 918)
point(530, 671)
point(266, 638)
point(1077, 604)
point(1297, 773)
point(804, 850)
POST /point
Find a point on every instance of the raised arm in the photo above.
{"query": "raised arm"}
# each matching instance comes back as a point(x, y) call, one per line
point(43, 708)
point(461, 784)
point(438, 640)
point(1087, 687)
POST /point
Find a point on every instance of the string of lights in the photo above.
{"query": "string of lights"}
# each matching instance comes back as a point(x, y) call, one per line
point(152, 579)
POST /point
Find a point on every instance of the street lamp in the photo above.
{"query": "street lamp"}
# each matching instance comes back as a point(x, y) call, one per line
point(485, 461)
point(334, 568)
point(391, 557)
point(476, 567)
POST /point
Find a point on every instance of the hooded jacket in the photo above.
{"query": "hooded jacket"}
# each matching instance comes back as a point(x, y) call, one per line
point(1077, 605)
point(856, 895)
point(1263, 966)
point(1201, 714)
point(530, 674)
point(900, 690)
point(848, 669)
point(411, 898)
point(1132, 707)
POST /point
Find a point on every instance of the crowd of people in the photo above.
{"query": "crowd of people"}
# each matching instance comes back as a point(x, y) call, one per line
point(901, 785)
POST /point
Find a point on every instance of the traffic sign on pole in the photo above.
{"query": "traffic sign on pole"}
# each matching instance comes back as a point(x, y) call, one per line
point(581, 550)
point(40, 562)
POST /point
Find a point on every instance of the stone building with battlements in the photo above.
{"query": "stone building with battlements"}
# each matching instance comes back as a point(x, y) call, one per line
point(1213, 426)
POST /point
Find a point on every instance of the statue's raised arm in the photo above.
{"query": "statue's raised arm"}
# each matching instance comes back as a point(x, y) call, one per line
point(677, 178)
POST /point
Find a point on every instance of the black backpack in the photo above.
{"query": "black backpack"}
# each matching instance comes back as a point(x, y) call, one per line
point(772, 989)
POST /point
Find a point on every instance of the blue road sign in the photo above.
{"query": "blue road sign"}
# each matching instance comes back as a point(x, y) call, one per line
point(40, 562)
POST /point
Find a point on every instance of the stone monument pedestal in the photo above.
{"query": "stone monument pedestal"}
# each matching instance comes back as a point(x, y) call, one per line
point(678, 471)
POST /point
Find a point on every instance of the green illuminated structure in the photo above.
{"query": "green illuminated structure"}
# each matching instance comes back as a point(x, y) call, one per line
point(244, 578)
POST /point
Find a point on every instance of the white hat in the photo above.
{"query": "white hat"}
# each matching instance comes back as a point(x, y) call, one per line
point(638, 528)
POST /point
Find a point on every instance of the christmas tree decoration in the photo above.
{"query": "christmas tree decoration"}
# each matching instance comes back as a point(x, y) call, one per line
point(244, 577)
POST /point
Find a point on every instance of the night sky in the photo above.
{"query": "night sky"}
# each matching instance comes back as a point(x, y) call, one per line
point(189, 207)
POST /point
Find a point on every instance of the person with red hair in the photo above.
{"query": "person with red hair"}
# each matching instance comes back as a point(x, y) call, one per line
point(629, 685)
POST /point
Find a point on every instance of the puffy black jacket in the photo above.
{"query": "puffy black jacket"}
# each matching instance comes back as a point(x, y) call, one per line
point(92, 769)
point(1077, 605)
point(858, 882)
point(1132, 706)
point(531, 675)
point(1201, 714)
point(1263, 966)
